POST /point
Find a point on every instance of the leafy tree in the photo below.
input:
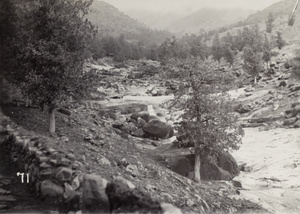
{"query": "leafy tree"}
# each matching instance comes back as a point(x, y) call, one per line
point(228, 54)
point(216, 48)
point(52, 44)
point(198, 48)
point(266, 51)
point(207, 120)
point(252, 62)
point(269, 23)
point(238, 41)
point(8, 31)
point(279, 40)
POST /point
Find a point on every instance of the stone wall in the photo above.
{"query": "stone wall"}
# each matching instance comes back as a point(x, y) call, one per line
point(55, 175)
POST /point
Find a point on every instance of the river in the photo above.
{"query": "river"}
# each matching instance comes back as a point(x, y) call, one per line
point(273, 169)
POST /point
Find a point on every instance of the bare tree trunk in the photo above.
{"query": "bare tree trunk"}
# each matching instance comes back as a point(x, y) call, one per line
point(52, 120)
point(197, 176)
point(294, 9)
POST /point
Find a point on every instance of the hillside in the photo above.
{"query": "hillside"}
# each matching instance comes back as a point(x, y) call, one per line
point(207, 19)
point(281, 9)
point(157, 20)
point(111, 21)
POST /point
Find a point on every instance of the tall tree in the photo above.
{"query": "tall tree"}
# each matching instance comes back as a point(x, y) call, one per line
point(266, 51)
point(52, 44)
point(8, 31)
point(207, 121)
point(228, 53)
point(216, 48)
point(269, 22)
point(279, 40)
point(252, 62)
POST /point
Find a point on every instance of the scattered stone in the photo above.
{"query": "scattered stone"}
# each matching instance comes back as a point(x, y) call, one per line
point(64, 139)
point(64, 174)
point(71, 156)
point(76, 182)
point(133, 170)
point(282, 84)
point(65, 162)
point(242, 108)
point(46, 174)
point(170, 209)
point(88, 138)
point(129, 184)
point(236, 184)
point(297, 124)
point(290, 121)
point(44, 166)
point(143, 115)
point(104, 161)
point(141, 122)
point(295, 88)
point(69, 191)
point(138, 133)
point(123, 162)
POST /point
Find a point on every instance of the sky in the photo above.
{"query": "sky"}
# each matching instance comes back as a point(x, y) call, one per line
point(187, 6)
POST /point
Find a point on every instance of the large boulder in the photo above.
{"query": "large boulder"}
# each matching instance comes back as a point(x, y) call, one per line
point(180, 165)
point(123, 199)
point(210, 170)
point(158, 129)
point(181, 160)
point(50, 189)
point(94, 198)
point(242, 108)
point(223, 167)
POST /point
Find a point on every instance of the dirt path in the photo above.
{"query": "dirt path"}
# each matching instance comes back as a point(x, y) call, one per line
point(272, 174)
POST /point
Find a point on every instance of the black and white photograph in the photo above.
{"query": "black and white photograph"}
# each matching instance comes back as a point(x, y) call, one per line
point(157, 107)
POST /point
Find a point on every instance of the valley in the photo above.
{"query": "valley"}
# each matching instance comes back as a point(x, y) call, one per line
point(108, 115)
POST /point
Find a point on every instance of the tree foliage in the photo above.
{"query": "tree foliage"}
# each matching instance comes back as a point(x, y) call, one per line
point(50, 49)
point(216, 48)
point(269, 22)
point(252, 62)
point(279, 40)
point(207, 120)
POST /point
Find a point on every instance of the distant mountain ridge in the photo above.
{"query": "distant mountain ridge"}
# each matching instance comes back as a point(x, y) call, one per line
point(208, 19)
point(111, 21)
point(279, 9)
point(205, 18)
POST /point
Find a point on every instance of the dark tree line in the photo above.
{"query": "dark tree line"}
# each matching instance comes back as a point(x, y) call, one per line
point(45, 44)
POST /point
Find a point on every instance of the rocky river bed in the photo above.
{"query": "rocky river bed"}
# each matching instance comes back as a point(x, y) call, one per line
point(270, 160)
